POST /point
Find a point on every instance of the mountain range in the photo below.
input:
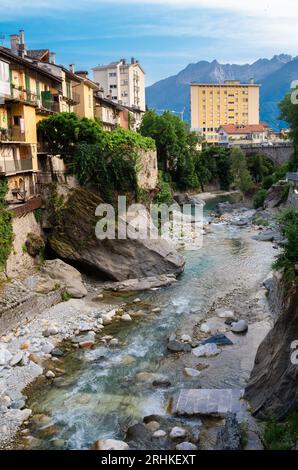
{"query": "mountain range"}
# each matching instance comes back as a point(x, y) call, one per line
point(274, 75)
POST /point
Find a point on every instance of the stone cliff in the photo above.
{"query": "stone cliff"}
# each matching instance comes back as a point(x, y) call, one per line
point(273, 386)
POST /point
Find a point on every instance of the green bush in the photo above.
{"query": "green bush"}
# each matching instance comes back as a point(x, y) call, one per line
point(268, 181)
point(259, 198)
point(6, 231)
point(288, 221)
point(282, 436)
point(164, 194)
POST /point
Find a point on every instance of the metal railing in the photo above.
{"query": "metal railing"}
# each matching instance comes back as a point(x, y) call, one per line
point(24, 95)
point(12, 135)
point(15, 166)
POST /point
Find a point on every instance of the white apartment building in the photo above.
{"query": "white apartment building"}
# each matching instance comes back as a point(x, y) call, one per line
point(122, 82)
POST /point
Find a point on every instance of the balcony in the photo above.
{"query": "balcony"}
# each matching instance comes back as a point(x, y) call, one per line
point(72, 100)
point(12, 135)
point(11, 167)
point(26, 96)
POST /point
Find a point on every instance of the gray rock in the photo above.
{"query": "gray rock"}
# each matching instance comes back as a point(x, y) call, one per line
point(16, 359)
point(240, 326)
point(138, 432)
point(66, 275)
point(207, 402)
point(219, 340)
point(186, 446)
point(207, 350)
point(191, 372)
point(5, 356)
point(229, 437)
point(47, 347)
point(110, 444)
point(160, 433)
point(52, 331)
point(84, 338)
point(178, 346)
point(56, 352)
point(177, 433)
point(126, 317)
point(50, 375)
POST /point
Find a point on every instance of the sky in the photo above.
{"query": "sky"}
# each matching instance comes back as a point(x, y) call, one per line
point(165, 35)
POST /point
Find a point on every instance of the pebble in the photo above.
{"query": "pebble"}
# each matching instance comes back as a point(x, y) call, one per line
point(86, 344)
point(208, 350)
point(191, 372)
point(5, 356)
point(137, 300)
point(16, 359)
point(186, 339)
point(114, 342)
point(50, 375)
point(52, 331)
point(126, 317)
point(205, 328)
point(240, 326)
point(57, 353)
point(153, 426)
point(224, 313)
point(159, 433)
point(156, 310)
point(177, 432)
point(186, 446)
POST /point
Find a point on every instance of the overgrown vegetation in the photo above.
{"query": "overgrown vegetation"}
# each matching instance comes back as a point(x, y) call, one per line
point(259, 198)
point(164, 194)
point(283, 435)
point(288, 221)
point(289, 114)
point(6, 231)
point(106, 160)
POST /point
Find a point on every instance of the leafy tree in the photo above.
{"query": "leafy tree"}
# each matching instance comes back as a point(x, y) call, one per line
point(176, 147)
point(164, 194)
point(260, 167)
point(289, 113)
point(62, 131)
point(241, 175)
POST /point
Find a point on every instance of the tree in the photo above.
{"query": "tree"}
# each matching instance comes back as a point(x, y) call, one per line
point(62, 131)
point(241, 175)
point(289, 113)
point(176, 147)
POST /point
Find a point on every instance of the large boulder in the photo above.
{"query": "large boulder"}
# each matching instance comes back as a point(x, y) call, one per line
point(73, 238)
point(273, 386)
point(64, 275)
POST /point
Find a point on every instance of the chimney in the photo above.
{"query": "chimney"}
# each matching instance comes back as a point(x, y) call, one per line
point(22, 45)
point(52, 58)
point(14, 43)
point(72, 68)
point(133, 60)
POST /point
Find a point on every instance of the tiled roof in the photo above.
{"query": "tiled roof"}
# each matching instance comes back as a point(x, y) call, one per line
point(38, 54)
point(232, 129)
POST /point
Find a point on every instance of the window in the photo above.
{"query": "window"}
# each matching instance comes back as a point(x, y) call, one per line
point(113, 86)
point(17, 120)
point(114, 98)
point(112, 74)
point(4, 78)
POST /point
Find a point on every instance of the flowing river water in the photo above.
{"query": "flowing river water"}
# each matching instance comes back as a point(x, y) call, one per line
point(106, 390)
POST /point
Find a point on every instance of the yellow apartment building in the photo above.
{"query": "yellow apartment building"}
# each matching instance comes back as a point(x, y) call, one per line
point(229, 103)
point(85, 90)
point(24, 89)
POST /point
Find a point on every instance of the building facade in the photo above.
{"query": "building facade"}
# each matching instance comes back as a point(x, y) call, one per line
point(228, 103)
point(123, 82)
point(241, 135)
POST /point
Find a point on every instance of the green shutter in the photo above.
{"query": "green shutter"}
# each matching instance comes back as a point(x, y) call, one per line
point(38, 89)
point(27, 82)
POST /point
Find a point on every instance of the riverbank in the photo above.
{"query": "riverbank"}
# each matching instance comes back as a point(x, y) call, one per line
point(227, 274)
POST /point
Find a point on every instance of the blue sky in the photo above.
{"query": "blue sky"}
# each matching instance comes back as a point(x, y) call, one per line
point(165, 35)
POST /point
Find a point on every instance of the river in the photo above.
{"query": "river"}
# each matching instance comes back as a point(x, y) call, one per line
point(103, 394)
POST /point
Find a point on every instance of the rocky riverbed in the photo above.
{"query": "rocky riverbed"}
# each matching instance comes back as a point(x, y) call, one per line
point(113, 360)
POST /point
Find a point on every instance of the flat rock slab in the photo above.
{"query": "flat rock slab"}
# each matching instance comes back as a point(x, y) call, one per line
point(214, 402)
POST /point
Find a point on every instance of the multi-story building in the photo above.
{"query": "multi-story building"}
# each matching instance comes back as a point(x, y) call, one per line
point(123, 82)
point(238, 135)
point(229, 103)
point(24, 88)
